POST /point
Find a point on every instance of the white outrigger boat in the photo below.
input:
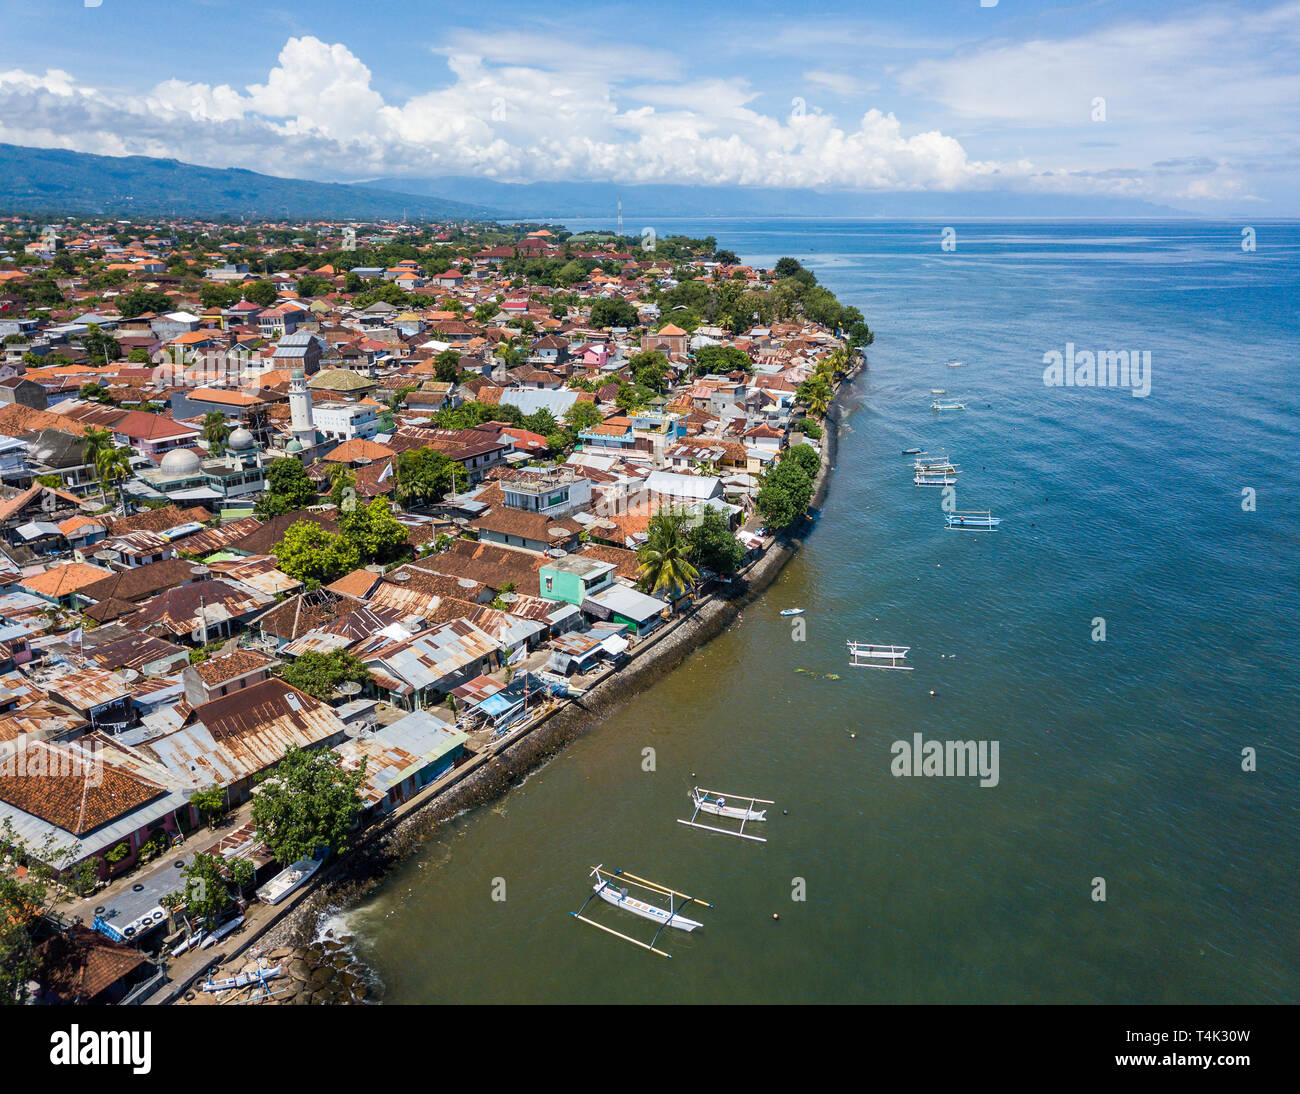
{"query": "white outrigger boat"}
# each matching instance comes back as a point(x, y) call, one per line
point(608, 889)
point(792, 611)
point(715, 802)
point(218, 933)
point(945, 477)
point(865, 655)
point(947, 406)
point(976, 520)
point(938, 391)
point(956, 364)
point(256, 977)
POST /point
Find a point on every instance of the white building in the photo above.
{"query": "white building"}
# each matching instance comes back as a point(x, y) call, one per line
point(344, 421)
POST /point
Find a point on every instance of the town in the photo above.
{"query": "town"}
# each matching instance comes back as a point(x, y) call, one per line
point(303, 523)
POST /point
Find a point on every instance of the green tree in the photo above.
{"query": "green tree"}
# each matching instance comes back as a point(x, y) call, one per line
point(375, 534)
point(649, 369)
point(306, 802)
point(288, 479)
point(309, 553)
point(613, 313)
point(712, 544)
point(262, 293)
point(664, 561)
point(583, 415)
point(320, 674)
point(211, 803)
point(205, 893)
point(215, 431)
point(101, 348)
point(447, 366)
point(139, 301)
point(427, 475)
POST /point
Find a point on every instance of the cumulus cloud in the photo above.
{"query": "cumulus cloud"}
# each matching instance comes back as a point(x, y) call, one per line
point(502, 113)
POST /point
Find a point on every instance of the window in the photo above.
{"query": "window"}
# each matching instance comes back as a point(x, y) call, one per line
point(549, 583)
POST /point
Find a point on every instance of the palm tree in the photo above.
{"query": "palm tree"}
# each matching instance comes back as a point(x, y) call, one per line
point(97, 442)
point(663, 560)
point(215, 431)
point(112, 465)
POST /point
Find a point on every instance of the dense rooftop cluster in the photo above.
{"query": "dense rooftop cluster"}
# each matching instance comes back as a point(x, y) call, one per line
point(375, 490)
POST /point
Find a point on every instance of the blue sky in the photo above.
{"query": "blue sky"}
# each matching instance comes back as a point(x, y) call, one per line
point(1191, 105)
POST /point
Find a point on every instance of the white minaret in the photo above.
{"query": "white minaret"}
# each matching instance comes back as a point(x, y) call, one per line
point(300, 417)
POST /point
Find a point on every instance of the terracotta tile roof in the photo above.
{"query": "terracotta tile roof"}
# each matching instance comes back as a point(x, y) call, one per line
point(59, 581)
point(358, 583)
point(218, 670)
point(81, 964)
point(71, 788)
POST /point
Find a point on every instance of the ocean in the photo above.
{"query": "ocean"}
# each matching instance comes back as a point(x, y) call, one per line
point(1128, 639)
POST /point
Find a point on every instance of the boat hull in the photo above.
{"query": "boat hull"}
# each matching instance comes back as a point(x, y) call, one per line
point(608, 893)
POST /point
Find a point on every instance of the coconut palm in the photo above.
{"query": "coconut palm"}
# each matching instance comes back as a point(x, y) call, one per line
point(112, 465)
point(97, 442)
point(663, 559)
point(215, 431)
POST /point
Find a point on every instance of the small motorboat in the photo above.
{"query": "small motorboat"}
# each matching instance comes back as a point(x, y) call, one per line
point(911, 451)
point(792, 611)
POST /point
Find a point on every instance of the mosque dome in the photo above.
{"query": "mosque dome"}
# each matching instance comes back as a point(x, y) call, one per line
point(181, 461)
point(240, 439)
point(294, 446)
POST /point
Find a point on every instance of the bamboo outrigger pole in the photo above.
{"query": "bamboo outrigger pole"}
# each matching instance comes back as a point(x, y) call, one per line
point(660, 888)
point(620, 934)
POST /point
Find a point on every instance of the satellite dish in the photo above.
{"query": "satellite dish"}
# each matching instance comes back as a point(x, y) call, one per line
point(129, 675)
point(465, 582)
point(400, 575)
point(349, 687)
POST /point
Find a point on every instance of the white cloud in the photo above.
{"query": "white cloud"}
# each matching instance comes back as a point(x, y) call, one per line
point(500, 115)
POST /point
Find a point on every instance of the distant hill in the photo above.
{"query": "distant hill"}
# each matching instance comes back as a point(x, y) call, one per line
point(53, 181)
point(555, 200)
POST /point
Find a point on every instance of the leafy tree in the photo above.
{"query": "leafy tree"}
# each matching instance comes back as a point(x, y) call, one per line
point(49, 876)
point(96, 393)
point(219, 296)
point(721, 360)
point(540, 421)
point(288, 479)
point(612, 313)
point(211, 803)
point(205, 894)
point(787, 488)
point(649, 369)
point(583, 415)
point(262, 293)
point(712, 544)
point(139, 301)
point(101, 348)
point(306, 802)
point(375, 533)
point(446, 366)
point(664, 561)
point(320, 674)
point(309, 553)
point(427, 475)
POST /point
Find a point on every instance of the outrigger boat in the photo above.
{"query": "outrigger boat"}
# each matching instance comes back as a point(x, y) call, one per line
point(936, 477)
point(245, 979)
point(865, 655)
point(947, 406)
point(611, 893)
point(792, 611)
point(974, 520)
point(715, 802)
point(956, 364)
point(938, 391)
point(218, 933)
point(911, 451)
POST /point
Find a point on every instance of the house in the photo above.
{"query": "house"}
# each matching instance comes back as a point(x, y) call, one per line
point(621, 604)
point(403, 758)
point(218, 676)
point(415, 672)
point(574, 578)
point(16, 389)
point(80, 966)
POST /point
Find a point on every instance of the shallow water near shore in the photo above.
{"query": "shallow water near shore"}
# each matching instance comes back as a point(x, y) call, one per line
point(1119, 759)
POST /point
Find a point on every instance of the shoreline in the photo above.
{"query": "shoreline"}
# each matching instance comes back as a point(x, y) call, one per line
point(386, 845)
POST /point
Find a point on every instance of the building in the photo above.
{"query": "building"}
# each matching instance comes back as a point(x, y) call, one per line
point(574, 578)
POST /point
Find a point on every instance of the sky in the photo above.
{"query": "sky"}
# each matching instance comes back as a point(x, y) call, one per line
point(1191, 105)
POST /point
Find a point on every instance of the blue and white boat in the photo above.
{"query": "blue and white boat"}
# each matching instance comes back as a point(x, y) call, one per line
point(976, 521)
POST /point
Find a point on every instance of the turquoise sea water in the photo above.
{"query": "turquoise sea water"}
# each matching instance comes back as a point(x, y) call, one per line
point(1119, 759)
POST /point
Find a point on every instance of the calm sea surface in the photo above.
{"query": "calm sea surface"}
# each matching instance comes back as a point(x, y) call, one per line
point(1119, 759)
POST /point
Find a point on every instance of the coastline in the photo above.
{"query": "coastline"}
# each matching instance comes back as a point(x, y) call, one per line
point(388, 843)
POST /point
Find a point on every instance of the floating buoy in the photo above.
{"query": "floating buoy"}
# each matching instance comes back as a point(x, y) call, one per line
point(931, 691)
point(853, 736)
point(775, 916)
point(785, 812)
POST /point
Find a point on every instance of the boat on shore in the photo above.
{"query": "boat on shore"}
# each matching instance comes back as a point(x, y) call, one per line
point(218, 933)
point(288, 880)
point(241, 980)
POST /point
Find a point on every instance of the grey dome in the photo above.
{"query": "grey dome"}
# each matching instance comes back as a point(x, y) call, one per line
point(240, 439)
point(181, 461)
